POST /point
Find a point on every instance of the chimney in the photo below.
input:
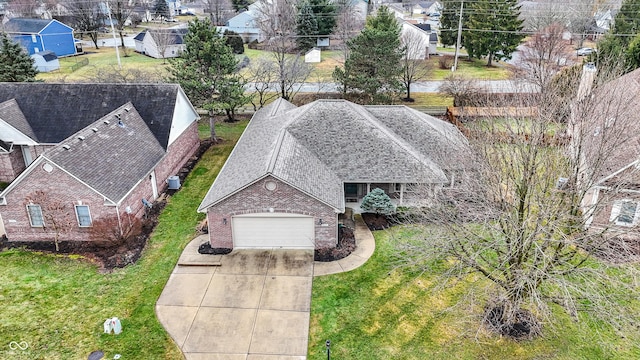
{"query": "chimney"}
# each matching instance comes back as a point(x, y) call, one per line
point(586, 81)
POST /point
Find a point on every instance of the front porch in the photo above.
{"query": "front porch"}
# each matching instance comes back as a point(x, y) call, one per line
point(400, 194)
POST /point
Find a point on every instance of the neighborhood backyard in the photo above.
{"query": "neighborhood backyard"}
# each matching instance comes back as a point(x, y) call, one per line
point(56, 304)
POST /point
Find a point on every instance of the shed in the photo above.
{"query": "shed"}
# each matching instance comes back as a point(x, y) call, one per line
point(46, 61)
point(312, 56)
point(37, 35)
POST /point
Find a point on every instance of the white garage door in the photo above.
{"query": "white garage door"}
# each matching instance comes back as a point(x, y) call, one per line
point(270, 230)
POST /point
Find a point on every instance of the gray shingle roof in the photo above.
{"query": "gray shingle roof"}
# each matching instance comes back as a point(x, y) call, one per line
point(126, 151)
point(10, 112)
point(55, 111)
point(611, 133)
point(27, 26)
point(141, 35)
point(319, 146)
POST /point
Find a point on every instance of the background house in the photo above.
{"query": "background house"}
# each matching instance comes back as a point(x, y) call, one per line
point(296, 168)
point(608, 137)
point(37, 35)
point(119, 145)
point(423, 40)
point(245, 24)
point(152, 42)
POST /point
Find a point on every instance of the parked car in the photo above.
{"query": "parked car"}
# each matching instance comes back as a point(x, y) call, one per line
point(585, 51)
point(435, 14)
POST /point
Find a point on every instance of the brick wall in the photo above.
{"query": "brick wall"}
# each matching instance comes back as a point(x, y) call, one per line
point(257, 199)
point(178, 154)
point(58, 187)
point(12, 164)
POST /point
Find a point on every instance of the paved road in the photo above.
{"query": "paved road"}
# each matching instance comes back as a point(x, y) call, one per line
point(501, 86)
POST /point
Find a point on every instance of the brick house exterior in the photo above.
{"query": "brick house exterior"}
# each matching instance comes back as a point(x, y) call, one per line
point(107, 168)
point(285, 182)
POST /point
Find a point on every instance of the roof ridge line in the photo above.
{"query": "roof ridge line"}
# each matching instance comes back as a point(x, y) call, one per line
point(396, 139)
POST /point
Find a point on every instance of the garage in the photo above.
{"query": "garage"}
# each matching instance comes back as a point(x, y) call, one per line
point(269, 230)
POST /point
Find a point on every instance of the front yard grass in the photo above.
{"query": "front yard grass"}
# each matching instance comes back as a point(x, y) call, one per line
point(57, 303)
point(382, 312)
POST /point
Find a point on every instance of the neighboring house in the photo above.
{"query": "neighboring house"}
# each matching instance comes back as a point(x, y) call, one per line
point(245, 24)
point(37, 35)
point(151, 42)
point(46, 61)
point(174, 7)
point(115, 149)
point(609, 143)
point(423, 40)
point(296, 168)
point(427, 7)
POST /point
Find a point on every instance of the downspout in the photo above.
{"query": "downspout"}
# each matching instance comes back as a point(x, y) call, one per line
point(119, 221)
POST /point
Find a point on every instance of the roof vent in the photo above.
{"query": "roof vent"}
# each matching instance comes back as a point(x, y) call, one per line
point(107, 122)
point(81, 137)
point(95, 130)
point(118, 116)
point(126, 109)
point(66, 147)
point(120, 123)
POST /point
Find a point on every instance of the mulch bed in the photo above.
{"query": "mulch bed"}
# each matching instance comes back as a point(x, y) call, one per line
point(346, 245)
point(376, 222)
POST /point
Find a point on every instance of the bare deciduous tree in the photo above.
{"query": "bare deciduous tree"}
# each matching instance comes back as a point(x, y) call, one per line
point(541, 14)
point(219, 10)
point(414, 65)
point(542, 56)
point(348, 23)
point(163, 38)
point(121, 11)
point(523, 218)
point(260, 75)
point(462, 89)
point(87, 16)
point(25, 8)
point(580, 18)
point(277, 21)
point(57, 215)
point(113, 74)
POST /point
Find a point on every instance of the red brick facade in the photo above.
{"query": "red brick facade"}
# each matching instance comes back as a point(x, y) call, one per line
point(61, 187)
point(284, 199)
point(12, 164)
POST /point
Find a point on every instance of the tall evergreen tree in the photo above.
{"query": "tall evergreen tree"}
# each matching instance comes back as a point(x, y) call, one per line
point(326, 13)
point(161, 9)
point(315, 18)
point(307, 26)
point(493, 29)
point(373, 67)
point(206, 70)
point(15, 63)
point(449, 21)
point(627, 21)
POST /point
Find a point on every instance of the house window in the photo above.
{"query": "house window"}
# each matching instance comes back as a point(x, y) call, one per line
point(33, 38)
point(35, 215)
point(624, 212)
point(84, 217)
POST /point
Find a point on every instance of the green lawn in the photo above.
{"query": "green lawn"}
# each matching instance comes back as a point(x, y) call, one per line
point(104, 59)
point(382, 312)
point(57, 303)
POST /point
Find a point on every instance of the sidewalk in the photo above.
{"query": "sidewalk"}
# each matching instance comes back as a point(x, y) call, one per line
point(365, 246)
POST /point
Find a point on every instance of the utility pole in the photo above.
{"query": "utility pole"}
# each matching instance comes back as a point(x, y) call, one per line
point(455, 60)
point(113, 32)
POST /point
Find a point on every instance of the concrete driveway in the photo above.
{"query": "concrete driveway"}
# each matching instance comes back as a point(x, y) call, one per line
point(253, 306)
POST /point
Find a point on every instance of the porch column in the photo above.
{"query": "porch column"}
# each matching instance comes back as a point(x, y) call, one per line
point(368, 188)
point(401, 193)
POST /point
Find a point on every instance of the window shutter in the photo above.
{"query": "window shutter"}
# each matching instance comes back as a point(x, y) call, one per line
point(615, 211)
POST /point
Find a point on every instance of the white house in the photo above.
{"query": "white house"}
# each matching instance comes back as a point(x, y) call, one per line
point(152, 42)
point(422, 41)
point(245, 24)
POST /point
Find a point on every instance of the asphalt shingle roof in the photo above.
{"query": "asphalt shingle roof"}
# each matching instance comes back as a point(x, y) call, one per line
point(55, 111)
point(319, 146)
point(11, 113)
point(124, 148)
point(27, 26)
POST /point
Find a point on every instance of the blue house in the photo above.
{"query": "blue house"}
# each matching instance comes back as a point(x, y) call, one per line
point(37, 35)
